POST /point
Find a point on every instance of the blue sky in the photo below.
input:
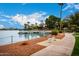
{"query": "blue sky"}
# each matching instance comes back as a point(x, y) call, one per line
point(17, 14)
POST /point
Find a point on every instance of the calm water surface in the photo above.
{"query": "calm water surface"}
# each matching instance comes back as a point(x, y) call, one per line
point(12, 36)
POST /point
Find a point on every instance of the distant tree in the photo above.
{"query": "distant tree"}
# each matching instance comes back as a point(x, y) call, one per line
point(28, 26)
point(25, 26)
point(52, 22)
point(34, 26)
point(28, 23)
point(41, 26)
point(73, 21)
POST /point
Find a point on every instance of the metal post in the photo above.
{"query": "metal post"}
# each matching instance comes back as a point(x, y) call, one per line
point(11, 39)
point(60, 16)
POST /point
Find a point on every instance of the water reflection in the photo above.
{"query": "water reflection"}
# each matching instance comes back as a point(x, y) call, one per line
point(5, 36)
point(32, 35)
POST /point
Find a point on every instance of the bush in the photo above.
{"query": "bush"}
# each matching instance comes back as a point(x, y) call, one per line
point(77, 29)
point(55, 32)
point(60, 31)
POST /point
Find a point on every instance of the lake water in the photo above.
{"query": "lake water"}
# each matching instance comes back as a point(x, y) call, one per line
point(13, 36)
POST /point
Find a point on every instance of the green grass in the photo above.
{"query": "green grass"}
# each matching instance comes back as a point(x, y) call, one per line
point(76, 47)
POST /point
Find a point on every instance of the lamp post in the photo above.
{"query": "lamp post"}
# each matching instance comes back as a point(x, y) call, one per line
point(61, 5)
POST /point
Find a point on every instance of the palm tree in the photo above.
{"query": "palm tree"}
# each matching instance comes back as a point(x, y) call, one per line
point(25, 26)
point(28, 23)
point(61, 5)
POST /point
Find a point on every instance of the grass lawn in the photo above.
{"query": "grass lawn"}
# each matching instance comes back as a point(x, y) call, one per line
point(76, 47)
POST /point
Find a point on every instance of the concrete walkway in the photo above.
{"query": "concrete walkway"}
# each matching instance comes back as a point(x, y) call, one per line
point(59, 48)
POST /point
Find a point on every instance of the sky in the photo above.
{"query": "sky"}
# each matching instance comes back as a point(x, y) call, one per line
point(15, 15)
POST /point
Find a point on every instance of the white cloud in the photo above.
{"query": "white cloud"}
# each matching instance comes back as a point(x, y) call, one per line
point(32, 18)
point(71, 11)
point(22, 19)
point(69, 6)
point(24, 3)
point(11, 23)
point(66, 8)
point(18, 18)
point(2, 26)
point(6, 16)
point(77, 6)
point(3, 20)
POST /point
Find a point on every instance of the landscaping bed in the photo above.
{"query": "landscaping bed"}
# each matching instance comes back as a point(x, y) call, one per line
point(24, 48)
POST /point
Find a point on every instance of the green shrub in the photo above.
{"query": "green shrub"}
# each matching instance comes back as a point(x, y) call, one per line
point(60, 31)
point(55, 32)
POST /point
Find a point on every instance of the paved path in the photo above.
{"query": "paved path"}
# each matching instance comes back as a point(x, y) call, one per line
point(59, 48)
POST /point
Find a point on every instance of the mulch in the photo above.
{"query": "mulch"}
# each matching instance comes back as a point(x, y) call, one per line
point(24, 48)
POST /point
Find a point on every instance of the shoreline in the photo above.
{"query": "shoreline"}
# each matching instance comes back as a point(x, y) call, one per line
point(27, 48)
point(19, 49)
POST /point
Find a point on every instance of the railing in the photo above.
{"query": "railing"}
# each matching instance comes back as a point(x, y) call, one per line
point(11, 38)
